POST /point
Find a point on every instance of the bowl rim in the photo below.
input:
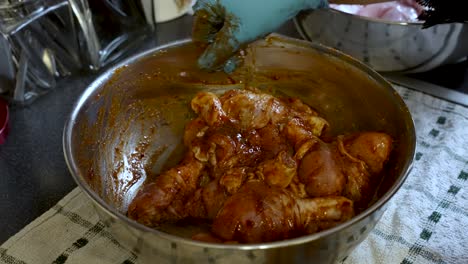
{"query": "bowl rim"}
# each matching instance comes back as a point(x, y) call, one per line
point(4, 120)
point(97, 200)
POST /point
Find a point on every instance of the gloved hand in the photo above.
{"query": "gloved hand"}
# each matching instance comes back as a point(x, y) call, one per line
point(226, 25)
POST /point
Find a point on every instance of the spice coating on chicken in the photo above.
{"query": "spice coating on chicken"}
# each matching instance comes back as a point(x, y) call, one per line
point(257, 169)
point(162, 200)
point(259, 213)
point(321, 170)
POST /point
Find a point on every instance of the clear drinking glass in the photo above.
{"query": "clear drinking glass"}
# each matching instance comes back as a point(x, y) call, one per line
point(42, 41)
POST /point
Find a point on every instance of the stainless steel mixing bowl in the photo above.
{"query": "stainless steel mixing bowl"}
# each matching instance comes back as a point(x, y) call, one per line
point(386, 45)
point(128, 125)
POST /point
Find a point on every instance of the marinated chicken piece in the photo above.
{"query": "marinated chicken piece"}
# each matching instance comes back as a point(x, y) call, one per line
point(297, 131)
point(306, 117)
point(257, 168)
point(346, 165)
point(364, 155)
point(208, 107)
point(270, 140)
point(316, 124)
point(299, 107)
point(259, 213)
point(297, 188)
point(240, 154)
point(359, 185)
point(278, 172)
point(254, 110)
point(321, 171)
point(194, 129)
point(305, 148)
point(206, 201)
point(371, 147)
point(233, 179)
point(223, 147)
point(164, 199)
point(251, 110)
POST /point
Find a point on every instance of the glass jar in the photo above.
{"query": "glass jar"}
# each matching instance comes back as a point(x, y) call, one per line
point(42, 41)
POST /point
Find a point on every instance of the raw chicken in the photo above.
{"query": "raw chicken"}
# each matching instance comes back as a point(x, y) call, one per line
point(345, 167)
point(257, 169)
point(402, 10)
point(164, 199)
point(321, 171)
point(260, 213)
point(363, 155)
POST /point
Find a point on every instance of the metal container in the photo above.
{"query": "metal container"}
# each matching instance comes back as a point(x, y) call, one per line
point(386, 45)
point(128, 124)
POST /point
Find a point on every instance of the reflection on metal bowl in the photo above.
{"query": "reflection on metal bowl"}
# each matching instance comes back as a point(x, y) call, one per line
point(128, 125)
point(385, 45)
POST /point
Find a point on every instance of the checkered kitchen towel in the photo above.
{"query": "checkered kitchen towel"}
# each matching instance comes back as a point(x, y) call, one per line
point(426, 222)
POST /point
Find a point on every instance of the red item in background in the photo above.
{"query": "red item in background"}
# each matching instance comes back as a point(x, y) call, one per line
point(4, 115)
